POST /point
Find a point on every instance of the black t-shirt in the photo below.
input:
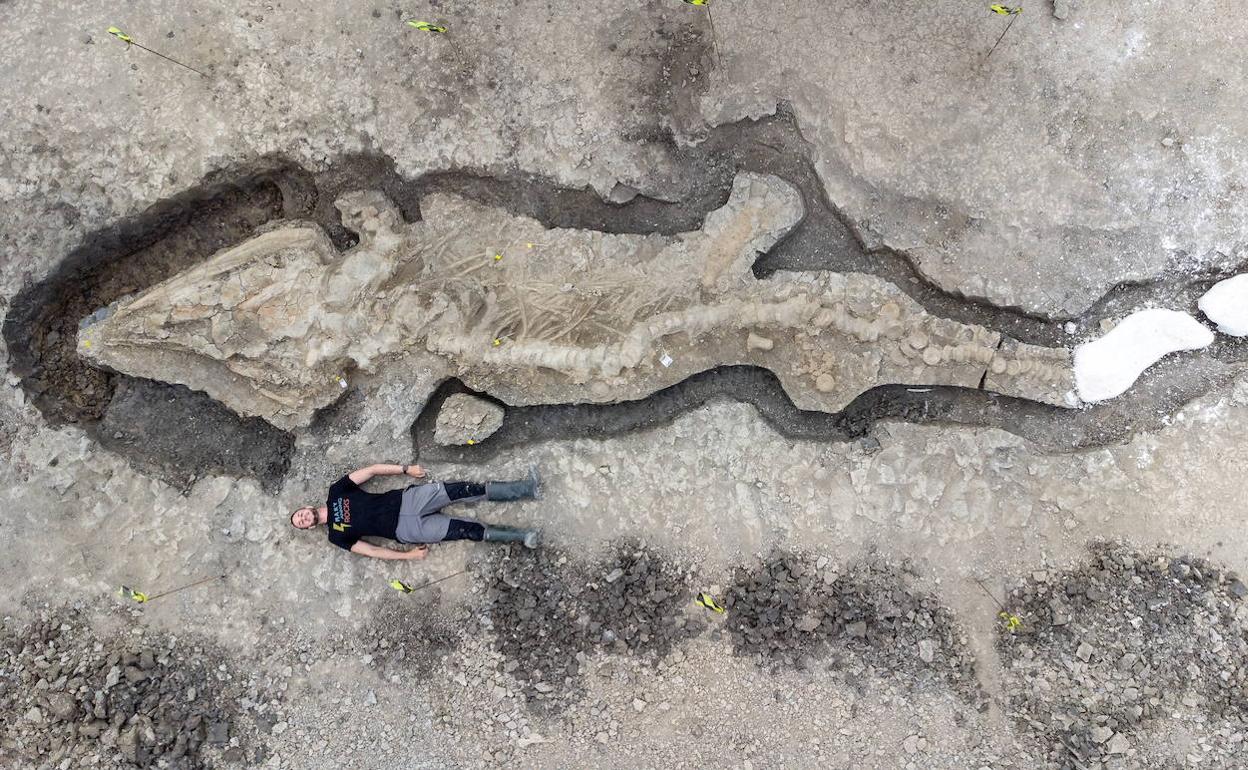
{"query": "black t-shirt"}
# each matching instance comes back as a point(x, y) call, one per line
point(354, 513)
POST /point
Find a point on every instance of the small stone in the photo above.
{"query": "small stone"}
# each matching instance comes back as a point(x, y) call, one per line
point(868, 445)
point(134, 674)
point(218, 733)
point(807, 624)
point(639, 705)
point(544, 687)
point(911, 744)
point(621, 193)
point(825, 383)
point(34, 715)
point(755, 342)
point(1102, 734)
point(857, 628)
point(1084, 652)
point(1061, 9)
point(1168, 141)
point(614, 575)
point(128, 744)
point(1237, 589)
point(1118, 744)
point(465, 418)
point(927, 650)
point(61, 707)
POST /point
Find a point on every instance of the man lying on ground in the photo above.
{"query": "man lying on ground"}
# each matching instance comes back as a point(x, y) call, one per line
point(413, 514)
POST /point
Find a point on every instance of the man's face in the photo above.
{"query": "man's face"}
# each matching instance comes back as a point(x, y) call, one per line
point(304, 518)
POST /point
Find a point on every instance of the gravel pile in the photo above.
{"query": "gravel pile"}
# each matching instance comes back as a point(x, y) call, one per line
point(1128, 648)
point(72, 698)
point(549, 612)
point(790, 610)
point(407, 635)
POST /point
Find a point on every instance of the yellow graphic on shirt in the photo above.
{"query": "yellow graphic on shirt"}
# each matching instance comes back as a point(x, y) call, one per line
point(340, 515)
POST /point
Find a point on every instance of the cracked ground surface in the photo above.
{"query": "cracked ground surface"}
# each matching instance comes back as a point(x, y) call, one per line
point(1088, 171)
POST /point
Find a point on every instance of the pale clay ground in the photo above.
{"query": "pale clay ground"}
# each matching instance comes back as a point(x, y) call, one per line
point(1039, 182)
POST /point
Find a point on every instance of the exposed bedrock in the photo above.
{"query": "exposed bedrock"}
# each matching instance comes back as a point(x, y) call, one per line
point(273, 327)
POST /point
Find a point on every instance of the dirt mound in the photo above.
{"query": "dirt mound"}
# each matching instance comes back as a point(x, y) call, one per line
point(790, 610)
point(1124, 651)
point(72, 696)
point(407, 635)
point(550, 611)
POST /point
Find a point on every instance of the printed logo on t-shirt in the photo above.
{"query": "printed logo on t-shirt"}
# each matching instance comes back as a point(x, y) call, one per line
point(340, 515)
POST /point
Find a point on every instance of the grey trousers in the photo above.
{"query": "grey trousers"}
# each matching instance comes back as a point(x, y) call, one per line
point(420, 516)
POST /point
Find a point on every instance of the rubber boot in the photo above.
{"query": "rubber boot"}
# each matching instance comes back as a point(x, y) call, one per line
point(507, 491)
point(530, 537)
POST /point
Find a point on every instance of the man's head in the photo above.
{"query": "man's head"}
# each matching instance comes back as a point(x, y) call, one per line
point(303, 518)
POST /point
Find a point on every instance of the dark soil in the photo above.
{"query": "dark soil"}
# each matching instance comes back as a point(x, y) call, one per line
point(1148, 406)
point(209, 439)
point(406, 635)
point(1126, 645)
point(790, 612)
point(549, 611)
point(129, 700)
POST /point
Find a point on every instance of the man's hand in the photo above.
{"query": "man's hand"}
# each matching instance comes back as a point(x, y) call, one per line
point(415, 471)
point(389, 554)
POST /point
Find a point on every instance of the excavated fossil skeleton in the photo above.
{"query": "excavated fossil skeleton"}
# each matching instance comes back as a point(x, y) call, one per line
point(533, 315)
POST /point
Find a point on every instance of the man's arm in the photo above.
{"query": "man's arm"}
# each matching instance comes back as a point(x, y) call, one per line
point(378, 552)
point(364, 474)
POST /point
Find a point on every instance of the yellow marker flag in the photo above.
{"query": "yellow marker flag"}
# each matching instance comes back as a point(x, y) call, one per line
point(707, 601)
point(1005, 10)
point(137, 596)
point(122, 36)
point(425, 26)
point(698, 2)
point(399, 585)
